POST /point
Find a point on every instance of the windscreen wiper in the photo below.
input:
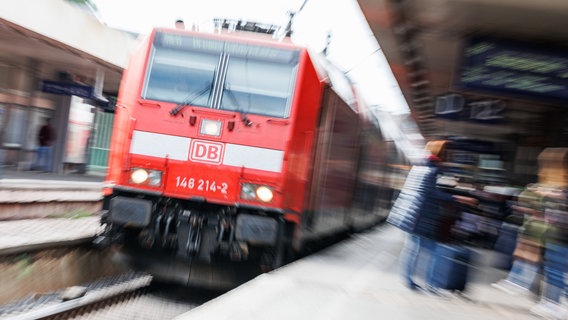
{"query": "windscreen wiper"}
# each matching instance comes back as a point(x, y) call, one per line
point(189, 100)
point(244, 117)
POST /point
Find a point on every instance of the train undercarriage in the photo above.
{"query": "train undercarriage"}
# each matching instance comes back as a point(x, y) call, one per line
point(156, 230)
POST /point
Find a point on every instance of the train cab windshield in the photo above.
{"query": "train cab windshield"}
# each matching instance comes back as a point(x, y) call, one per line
point(189, 70)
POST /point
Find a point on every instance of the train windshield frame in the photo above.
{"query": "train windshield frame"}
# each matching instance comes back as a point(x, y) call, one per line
point(221, 74)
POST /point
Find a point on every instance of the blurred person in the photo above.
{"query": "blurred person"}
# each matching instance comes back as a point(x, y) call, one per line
point(555, 257)
point(46, 138)
point(417, 211)
point(528, 252)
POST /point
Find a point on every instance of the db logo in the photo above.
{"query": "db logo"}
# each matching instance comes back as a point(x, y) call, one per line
point(204, 151)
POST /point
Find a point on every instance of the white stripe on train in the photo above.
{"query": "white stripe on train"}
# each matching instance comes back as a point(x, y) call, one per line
point(179, 148)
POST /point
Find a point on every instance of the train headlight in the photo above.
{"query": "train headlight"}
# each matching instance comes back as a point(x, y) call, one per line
point(255, 192)
point(148, 177)
point(264, 194)
point(138, 176)
point(210, 127)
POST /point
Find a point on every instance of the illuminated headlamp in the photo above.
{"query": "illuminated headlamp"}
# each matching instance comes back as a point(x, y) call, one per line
point(147, 177)
point(256, 192)
point(210, 127)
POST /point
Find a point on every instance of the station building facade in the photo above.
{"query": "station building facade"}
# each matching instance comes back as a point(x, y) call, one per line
point(57, 61)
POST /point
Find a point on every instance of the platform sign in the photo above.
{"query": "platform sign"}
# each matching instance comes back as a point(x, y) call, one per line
point(507, 68)
point(68, 89)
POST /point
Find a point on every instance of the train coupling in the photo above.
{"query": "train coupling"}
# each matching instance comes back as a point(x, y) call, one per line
point(102, 242)
point(107, 237)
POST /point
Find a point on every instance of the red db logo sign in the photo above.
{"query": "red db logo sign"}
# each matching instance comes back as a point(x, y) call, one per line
point(205, 151)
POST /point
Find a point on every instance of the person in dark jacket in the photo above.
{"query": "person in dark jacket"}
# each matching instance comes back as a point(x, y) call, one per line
point(46, 138)
point(417, 211)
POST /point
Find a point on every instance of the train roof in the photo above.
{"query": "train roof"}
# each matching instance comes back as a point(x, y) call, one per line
point(245, 36)
point(333, 75)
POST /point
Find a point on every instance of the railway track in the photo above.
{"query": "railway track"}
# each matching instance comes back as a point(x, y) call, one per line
point(127, 296)
point(51, 305)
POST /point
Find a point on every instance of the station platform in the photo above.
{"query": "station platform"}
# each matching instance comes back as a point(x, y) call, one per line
point(43, 210)
point(33, 194)
point(14, 173)
point(25, 235)
point(354, 279)
point(359, 279)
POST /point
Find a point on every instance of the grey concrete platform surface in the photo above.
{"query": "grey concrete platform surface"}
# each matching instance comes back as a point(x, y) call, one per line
point(30, 194)
point(42, 186)
point(359, 279)
point(19, 236)
point(41, 210)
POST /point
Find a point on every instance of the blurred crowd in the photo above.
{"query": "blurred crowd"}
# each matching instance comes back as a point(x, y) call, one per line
point(530, 236)
point(540, 256)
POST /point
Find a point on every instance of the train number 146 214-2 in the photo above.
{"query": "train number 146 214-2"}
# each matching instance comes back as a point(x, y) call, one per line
point(201, 185)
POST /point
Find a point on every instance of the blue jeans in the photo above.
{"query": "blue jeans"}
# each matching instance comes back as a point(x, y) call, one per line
point(44, 156)
point(413, 246)
point(523, 273)
point(555, 267)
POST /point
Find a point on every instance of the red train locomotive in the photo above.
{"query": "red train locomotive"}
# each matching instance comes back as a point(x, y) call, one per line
point(234, 146)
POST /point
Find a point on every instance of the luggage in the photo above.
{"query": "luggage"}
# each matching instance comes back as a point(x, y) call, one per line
point(450, 267)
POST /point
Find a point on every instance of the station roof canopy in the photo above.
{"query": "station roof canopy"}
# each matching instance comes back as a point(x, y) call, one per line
point(64, 37)
point(425, 40)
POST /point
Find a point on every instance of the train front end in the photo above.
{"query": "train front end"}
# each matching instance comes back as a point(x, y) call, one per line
point(205, 144)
